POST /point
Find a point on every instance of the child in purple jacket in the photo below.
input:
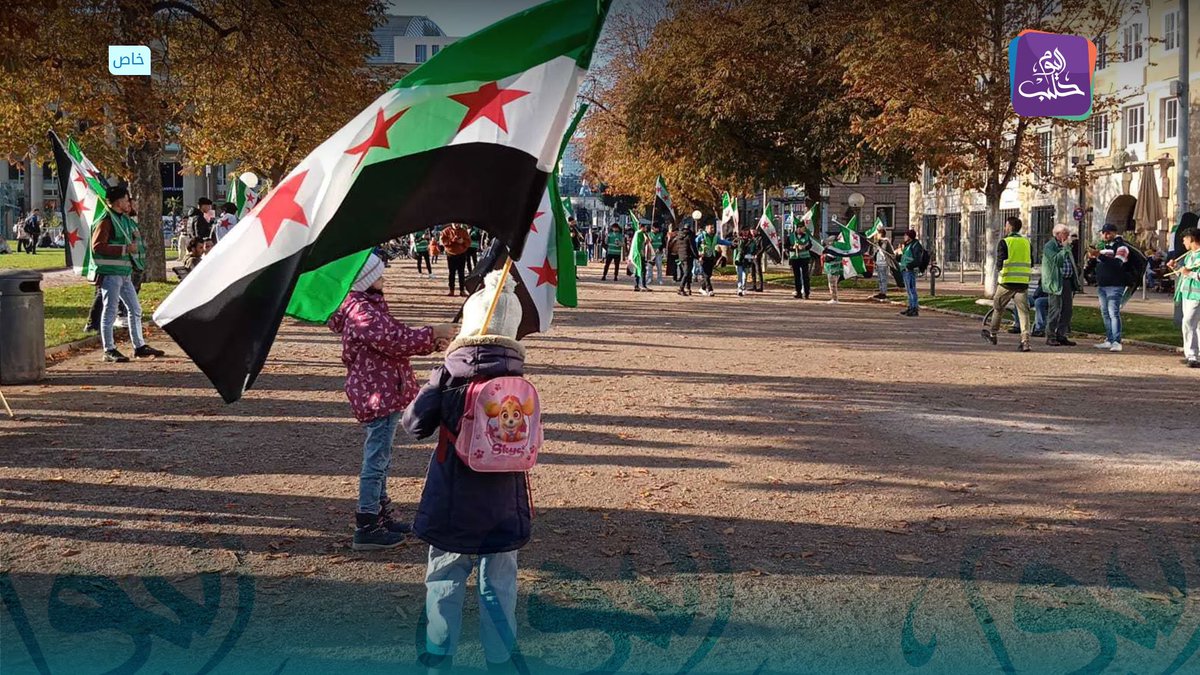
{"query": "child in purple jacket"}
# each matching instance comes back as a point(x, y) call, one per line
point(379, 384)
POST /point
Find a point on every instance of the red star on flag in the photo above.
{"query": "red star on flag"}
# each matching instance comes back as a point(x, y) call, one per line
point(281, 205)
point(77, 207)
point(487, 101)
point(533, 225)
point(545, 273)
point(73, 238)
point(80, 179)
point(378, 137)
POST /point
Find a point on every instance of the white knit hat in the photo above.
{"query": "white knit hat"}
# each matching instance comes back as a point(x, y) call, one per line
point(370, 272)
point(507, 317)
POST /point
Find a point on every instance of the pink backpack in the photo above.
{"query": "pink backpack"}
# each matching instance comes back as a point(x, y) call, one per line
point(501, 427)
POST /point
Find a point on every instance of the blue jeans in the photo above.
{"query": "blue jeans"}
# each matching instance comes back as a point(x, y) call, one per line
point(910, 285)
point(1110, 310)
point(881, 271)
point(741, 277)
point(446, 589)
point(377, 459)
point(656, 271)
point(1040, 307)
point(116, 289)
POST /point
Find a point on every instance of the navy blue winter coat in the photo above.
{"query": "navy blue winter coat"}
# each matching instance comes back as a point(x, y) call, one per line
point(465, 511)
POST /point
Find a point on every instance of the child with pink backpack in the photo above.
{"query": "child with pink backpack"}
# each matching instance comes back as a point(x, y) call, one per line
point(476, 507)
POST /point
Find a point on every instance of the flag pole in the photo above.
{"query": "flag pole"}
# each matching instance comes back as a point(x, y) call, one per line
point(5, 402)
point(496, 299)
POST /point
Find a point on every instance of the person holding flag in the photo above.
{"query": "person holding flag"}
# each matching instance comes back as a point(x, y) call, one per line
point(641, 252)
point(116, 252)
point(614, 247)
point(707, 243)
point(885, 255)
point(745, 252)
point(800, 249)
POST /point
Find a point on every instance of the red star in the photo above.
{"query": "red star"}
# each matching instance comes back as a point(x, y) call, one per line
point(545, 274)
point(533, 225)
point(73, 238)
point(487, 101)
point(378, 137)
point(80, 179)
point(281, 205)
point(77, 207)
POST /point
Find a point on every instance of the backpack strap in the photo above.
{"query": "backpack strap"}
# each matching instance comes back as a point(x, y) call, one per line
point(445, 438)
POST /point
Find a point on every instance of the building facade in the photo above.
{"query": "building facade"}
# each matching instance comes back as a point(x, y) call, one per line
point(1094, 172)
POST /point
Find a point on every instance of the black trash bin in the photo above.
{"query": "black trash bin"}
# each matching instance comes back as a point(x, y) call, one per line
point(22, 327)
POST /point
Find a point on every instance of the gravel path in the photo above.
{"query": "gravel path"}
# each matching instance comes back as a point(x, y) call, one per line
point(730, 485)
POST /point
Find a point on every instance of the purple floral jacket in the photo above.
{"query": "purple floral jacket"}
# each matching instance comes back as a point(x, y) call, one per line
point(375, 349)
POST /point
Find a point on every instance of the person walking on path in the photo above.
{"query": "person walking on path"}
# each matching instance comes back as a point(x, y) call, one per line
point(884, 255)
point(758, 271)
point(683, 247)
point(421, 252)
point(456, 241)
point(471, 519)
point(641, 251)
point(31, 227)
point(833, 272)
point(1187, 293)
point(116, 253)
point(614, 247)
point(1111, 279)
point(707, 243)
point(379, 385)
point(910, 262)
point(658, 242)
point(800, 245)
point(1015, 257)
point(743, 259)
point(1060, 282)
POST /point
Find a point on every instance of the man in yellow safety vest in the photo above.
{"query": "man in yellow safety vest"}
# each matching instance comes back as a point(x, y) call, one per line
point(1016, 260)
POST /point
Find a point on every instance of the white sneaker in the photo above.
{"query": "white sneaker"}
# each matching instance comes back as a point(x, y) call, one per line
point(831, 301)
point(741, 293)
point(1104, 345)
point(1116, 347)
point(120, 323)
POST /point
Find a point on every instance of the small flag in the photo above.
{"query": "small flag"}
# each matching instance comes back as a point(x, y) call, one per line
point(774, 247)
point(876, 230)
point(849, 247)
point(83, 205)
point(809, 215)
point(471, 136)
point(662, 199)
point(729, 210)
point(244, 197)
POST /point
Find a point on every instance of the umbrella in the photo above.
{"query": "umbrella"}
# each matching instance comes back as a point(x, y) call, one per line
point(1148, 211)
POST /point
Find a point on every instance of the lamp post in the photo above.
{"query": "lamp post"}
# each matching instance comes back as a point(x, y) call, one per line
point(825, 192)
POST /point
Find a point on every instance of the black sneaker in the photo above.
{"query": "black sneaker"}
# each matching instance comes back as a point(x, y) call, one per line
point(1066, 343)
point(1052, 342)
point(1038, 333)
point(89, 328)
point(392, 525)
point(114, 356)
point(1194, 364)
point(988, 336)
point(146, 351)
point(371, 535)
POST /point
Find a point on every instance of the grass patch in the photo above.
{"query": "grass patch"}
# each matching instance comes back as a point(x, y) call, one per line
point(1086, 319)
point(44, 259)
point(67, 309)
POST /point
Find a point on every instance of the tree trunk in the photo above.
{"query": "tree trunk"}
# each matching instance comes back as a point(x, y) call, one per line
point(146, 188)
point(992, 229)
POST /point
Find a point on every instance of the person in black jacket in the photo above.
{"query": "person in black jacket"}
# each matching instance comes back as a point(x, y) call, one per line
point(683, 247)
point(466, 515)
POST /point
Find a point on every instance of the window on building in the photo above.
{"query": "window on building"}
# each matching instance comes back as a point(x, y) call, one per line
point(422, 53)
point(952, 244)
point(15, 173)
point(1135, 124)
point(885, 179)
point(1039, 233)
point(977, 233)
point(1098, 132)
point(1102, 52)
point(886, 213)
point(927, 177)
point(1046, 147)
point(929, 232)
point(1131, 42)
point(850, 177)
point(1171, 30)
point(1169, 129)
point(434, 50)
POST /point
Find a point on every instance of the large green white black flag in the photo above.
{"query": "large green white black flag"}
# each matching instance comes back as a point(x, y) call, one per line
point(470, 137)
